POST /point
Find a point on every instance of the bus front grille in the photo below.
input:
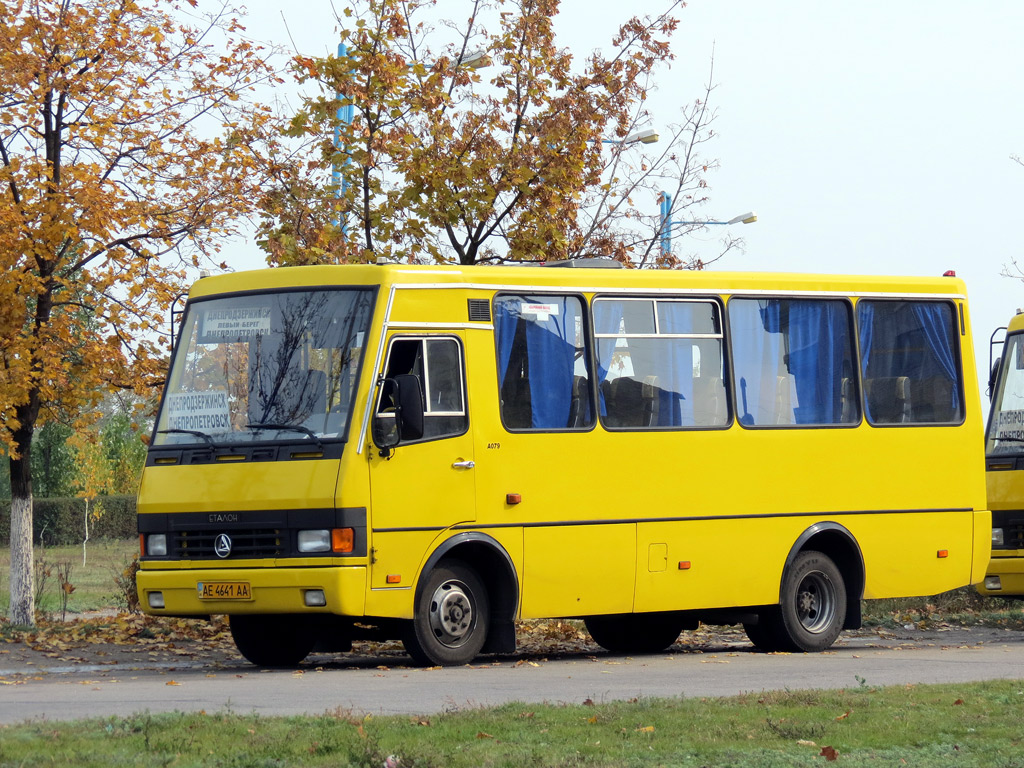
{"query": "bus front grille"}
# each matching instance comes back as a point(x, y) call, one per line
point(202, 545)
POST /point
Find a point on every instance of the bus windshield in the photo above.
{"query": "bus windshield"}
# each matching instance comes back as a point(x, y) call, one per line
point(266, 366)
point(1006, 427)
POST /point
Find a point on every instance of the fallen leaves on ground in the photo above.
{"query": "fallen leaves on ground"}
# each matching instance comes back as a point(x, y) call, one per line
point(148, 634)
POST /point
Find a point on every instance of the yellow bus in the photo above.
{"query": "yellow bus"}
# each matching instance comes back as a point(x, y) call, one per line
point(1004, 464)
point(433, 453)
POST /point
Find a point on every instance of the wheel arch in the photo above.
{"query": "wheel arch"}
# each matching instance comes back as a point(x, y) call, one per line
point(494, 566)
point(835, 541)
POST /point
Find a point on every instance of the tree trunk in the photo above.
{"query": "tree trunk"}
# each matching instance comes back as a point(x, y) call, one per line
point(22, 607)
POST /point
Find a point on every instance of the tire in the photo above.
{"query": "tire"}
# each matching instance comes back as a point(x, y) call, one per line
point(812, 604)
point(766, 634)
point(451, 617)
point(634, 632)
point(272, 641)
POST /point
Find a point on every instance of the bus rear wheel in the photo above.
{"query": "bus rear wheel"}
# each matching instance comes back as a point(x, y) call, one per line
point(449, 625)
point(812, 604)
point(634, 632)
point(272, 641)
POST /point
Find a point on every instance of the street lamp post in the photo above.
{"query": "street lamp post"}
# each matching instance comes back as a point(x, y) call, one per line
point(665, 200)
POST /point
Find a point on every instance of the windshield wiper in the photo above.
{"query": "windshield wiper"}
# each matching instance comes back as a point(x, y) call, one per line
point(1008, 439)
point(195, 432)
point(290, 427)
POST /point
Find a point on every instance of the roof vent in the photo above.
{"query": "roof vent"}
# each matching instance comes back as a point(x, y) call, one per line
point(601, 262)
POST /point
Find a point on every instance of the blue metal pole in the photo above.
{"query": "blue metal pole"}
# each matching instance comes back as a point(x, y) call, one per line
point(666, 229)
point(344, 118)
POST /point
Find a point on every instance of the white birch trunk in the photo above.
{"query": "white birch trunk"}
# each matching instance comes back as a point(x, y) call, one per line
point(22, 608)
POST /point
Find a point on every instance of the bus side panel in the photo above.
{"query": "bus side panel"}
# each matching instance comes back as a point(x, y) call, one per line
point(683, 564)
point(904, 552)
point(578, 570)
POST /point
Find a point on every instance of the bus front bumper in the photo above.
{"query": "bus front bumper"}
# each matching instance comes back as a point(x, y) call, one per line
point(1005, 576)
point(203, 592)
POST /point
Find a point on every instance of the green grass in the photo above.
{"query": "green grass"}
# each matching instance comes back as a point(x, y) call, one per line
point(974, 724)
point(94, 582)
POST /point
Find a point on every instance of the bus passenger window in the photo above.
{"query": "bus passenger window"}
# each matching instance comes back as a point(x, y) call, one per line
point(793, 362)
point(437, 363)
point(543, 374)
point(910, 362)
point(659, 363)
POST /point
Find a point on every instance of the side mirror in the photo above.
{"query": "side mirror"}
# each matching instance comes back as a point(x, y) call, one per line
point(399, 413)
point(993, 375)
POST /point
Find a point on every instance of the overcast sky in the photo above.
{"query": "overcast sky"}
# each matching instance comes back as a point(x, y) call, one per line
point(870, 138)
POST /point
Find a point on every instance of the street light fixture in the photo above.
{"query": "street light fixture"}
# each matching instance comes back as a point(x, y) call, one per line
point(665, 199)
point(475, 59)
point(648, 136)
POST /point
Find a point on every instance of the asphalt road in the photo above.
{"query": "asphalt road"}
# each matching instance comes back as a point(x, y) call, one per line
point(364, 685)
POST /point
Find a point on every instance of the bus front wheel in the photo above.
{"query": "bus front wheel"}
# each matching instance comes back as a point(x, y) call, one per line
point(271, 641)
point(449, 625)
point(812, 604)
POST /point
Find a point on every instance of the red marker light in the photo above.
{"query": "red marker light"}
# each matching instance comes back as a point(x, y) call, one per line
point(949, 273)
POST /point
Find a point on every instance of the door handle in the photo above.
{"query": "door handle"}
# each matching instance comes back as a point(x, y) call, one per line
point(463, 464)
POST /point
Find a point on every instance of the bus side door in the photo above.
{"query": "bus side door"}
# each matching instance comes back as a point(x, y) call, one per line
point(424, 486)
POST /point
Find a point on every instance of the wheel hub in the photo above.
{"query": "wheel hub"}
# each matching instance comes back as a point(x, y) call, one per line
point(451, 614)
point(816, 602)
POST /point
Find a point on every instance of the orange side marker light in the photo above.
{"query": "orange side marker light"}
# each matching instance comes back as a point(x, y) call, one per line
point(684, 565)
point(942, 553)
point(394, 578)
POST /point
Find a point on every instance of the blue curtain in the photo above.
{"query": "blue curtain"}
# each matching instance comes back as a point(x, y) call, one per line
point(935, 322)
point(866, 330)
point(506, 318)
point(819, 344)
point(551, 349)
point(550, 352)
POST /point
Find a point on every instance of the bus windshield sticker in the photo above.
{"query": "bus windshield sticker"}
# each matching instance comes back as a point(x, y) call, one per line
point(541, 311)
point(199, 411)
point(233, 324)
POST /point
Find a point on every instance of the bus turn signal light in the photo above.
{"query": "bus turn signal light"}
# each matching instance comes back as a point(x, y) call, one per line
point(342, 539)
point(513, 498)
point(684, 565)
point(394, 578)
point(942, 553)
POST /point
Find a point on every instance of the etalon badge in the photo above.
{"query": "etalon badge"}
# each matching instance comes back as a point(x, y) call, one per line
point(222, 545)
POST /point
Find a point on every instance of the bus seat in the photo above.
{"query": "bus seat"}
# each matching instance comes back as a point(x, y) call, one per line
point(932, 399)
point(625, 402)
point(709, 407)
point(888, 399)
point(650, 396)
point(579, 402)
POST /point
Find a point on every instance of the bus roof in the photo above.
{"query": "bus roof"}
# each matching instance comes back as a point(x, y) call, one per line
point(577, 279)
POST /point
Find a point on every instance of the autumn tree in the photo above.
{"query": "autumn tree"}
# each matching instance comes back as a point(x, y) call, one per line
point(124, 159)
point(446, 160)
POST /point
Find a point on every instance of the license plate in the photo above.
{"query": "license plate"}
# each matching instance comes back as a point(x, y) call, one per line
point(224, 590)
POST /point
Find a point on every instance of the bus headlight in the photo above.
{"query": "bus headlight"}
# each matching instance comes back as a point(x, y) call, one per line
point(314, 541)
point(156, 545)
point(997, 537)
